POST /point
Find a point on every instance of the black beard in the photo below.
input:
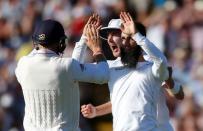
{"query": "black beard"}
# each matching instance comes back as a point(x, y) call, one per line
point(131, 57)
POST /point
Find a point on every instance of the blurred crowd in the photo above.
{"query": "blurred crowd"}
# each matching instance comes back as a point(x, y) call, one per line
point(174, 26)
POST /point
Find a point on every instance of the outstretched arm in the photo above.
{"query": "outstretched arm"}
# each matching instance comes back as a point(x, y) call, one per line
point(96, 73)
point(90, 111)
point(159, 68)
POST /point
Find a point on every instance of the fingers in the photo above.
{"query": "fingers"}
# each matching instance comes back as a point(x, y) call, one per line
point(93, 41)
point(124, 16)
point(90, 20)
point(93, 20)
point(88, 31)
point(93, 32)
point(85, 27)
point(98, 28)
point(129, 16)
point(128, 25)
point(86, 110)
point(98, 21)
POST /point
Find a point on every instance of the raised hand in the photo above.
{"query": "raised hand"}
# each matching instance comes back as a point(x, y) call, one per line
point(94, 20)
point(128, 25)
point(93, 39)
point(88, 111)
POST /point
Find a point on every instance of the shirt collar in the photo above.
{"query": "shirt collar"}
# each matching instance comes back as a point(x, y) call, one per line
point(141, 64)
point(118, 63)
point(45, 52)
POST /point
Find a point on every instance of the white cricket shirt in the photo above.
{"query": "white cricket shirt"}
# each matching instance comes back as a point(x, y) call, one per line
point(163, 113)
point(50, 89)
point(134, 92)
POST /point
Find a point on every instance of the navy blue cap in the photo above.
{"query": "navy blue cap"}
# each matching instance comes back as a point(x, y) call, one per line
point(48, 32)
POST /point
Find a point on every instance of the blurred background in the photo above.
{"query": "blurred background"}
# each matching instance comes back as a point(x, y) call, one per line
point(175, 26)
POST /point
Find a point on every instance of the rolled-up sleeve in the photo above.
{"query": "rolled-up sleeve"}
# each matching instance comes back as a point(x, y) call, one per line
point(89, 72)
point(159, 68)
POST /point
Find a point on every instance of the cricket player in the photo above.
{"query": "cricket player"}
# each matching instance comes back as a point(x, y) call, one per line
point(90, 111)
point(50, 82)
point(134, 83)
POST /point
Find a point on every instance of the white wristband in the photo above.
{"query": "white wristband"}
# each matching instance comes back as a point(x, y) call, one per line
point(83, 39)
point(176, 88)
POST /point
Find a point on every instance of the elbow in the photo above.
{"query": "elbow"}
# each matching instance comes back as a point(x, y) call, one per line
point(161, 73)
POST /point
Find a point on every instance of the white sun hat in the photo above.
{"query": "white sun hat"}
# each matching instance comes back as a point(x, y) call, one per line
point(114, 24)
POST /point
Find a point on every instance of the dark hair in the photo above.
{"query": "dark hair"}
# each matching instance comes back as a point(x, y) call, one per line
point(140, 28)
point(50, 34)
point(131, 58)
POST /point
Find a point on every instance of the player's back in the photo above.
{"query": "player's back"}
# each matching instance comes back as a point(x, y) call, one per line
point(51, 96)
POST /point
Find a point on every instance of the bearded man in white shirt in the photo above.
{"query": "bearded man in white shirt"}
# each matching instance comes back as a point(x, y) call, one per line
point(113, 32)
point(134, 83)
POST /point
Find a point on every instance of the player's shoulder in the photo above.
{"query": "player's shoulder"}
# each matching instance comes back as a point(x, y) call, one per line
point(22, 59)
point(63, 60)
point(21, 63)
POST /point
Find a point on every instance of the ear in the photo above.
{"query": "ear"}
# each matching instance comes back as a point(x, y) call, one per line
point(35, 45)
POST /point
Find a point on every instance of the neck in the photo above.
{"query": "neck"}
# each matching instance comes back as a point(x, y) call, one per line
point(47, 48)
point(41, 47)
